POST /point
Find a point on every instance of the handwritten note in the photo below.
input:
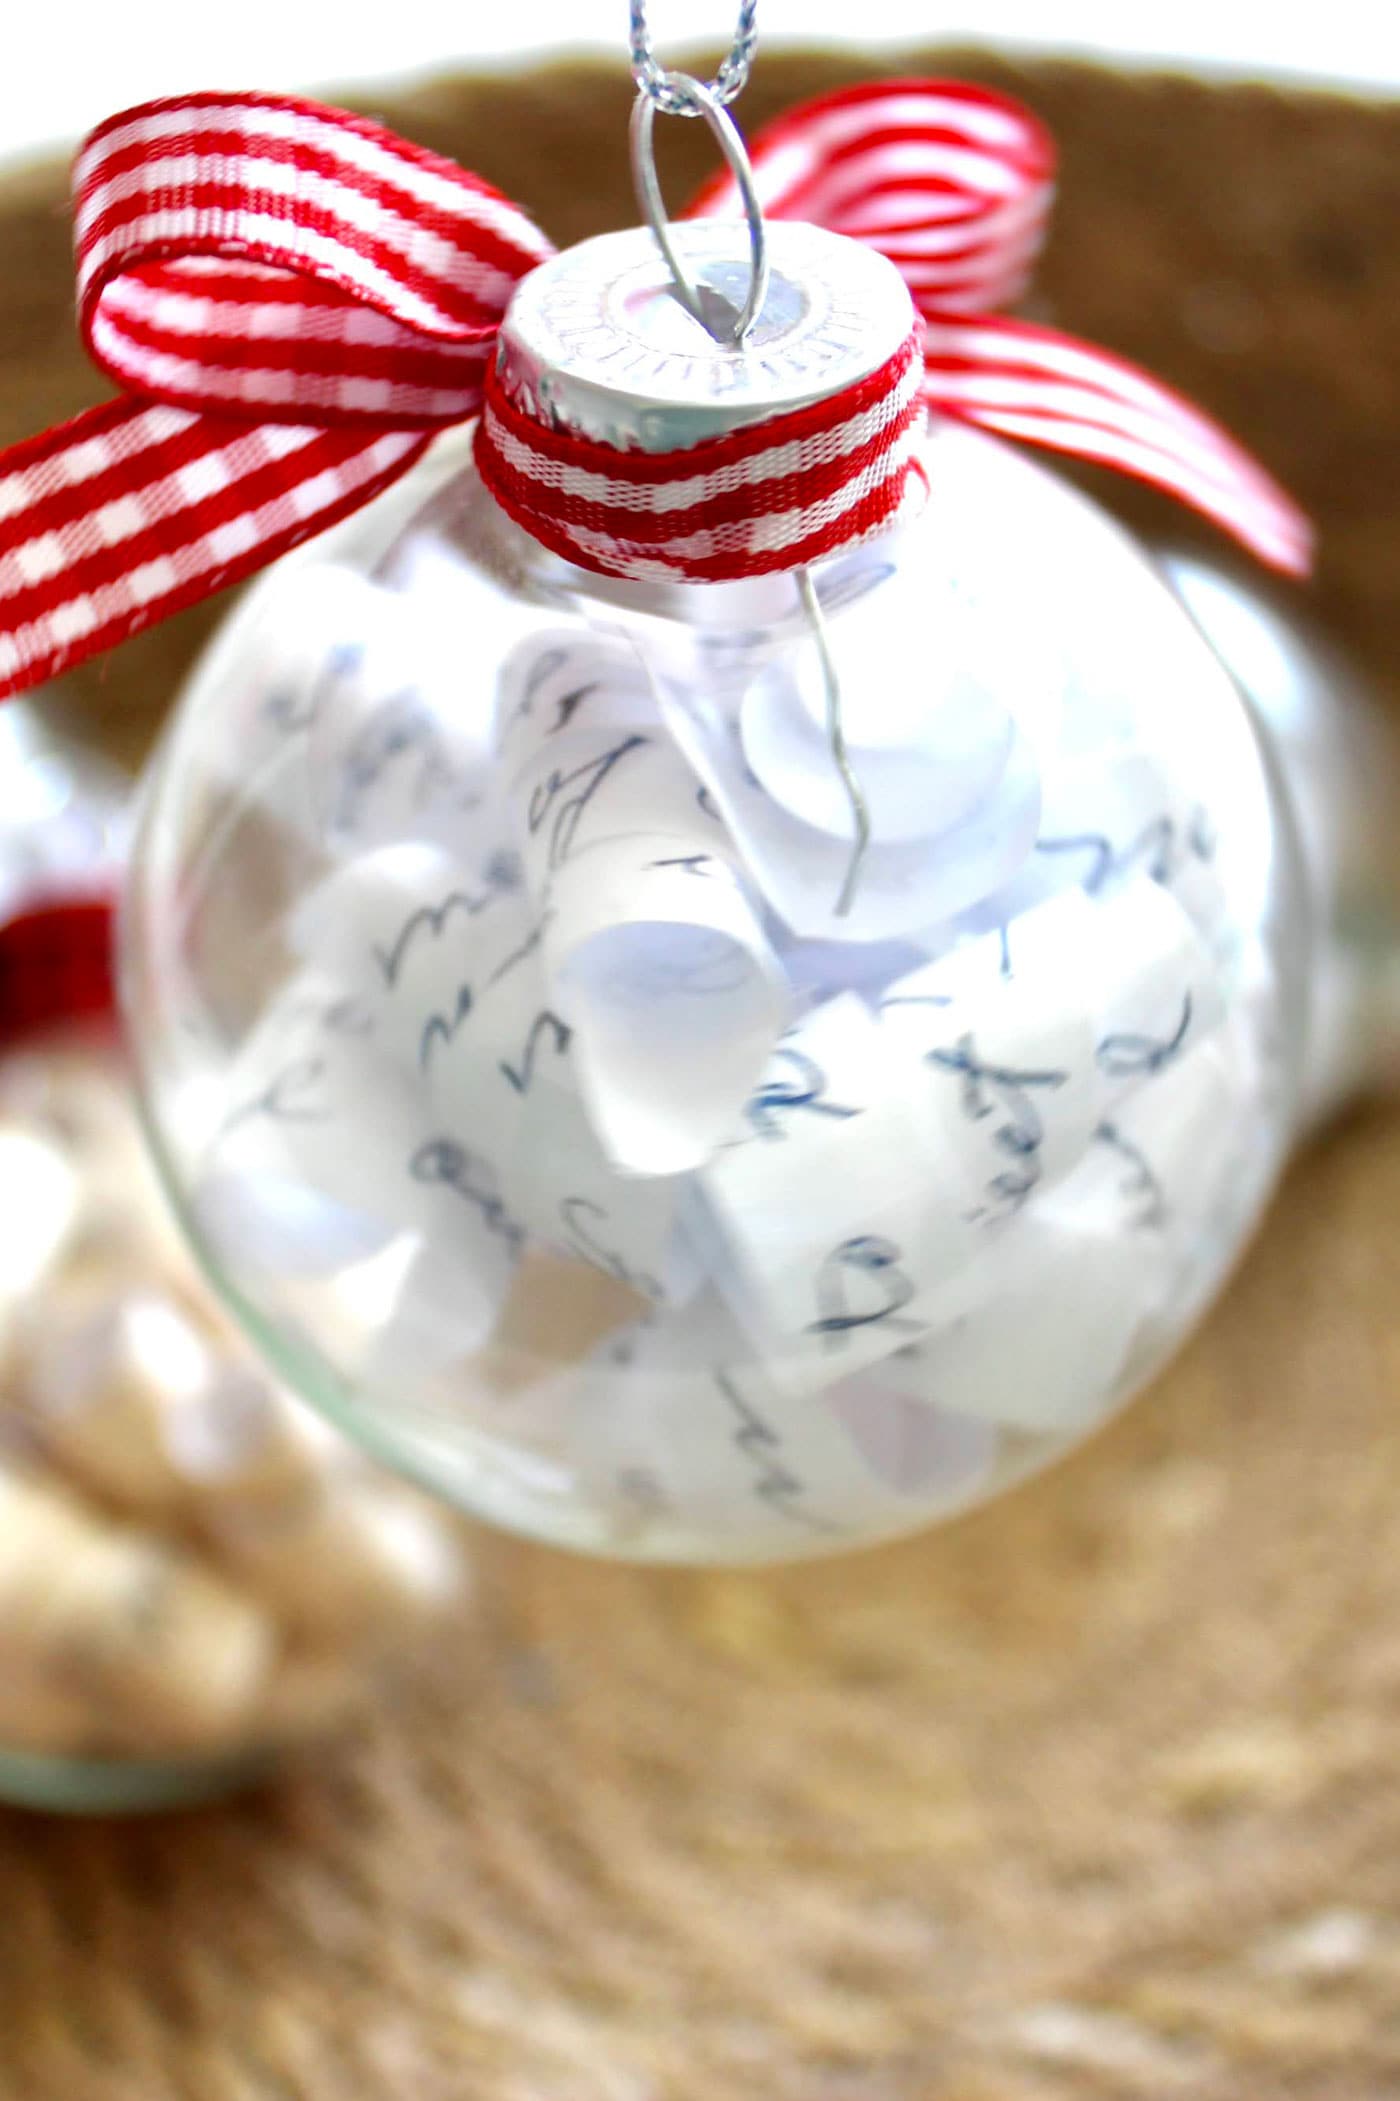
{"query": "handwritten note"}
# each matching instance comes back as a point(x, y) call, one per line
point(500, 1074)
point(1116, 816)
point(295, 645)
point(1162, 1154)
point(410, 933)
point(1044, 1344)
point(1163, 993)
point(1042, 1028)
point(310, 1167)
point(443, 1293)
point(828, 1221)
point(683, 1439)
point(654, 956)
point(1003, 1030)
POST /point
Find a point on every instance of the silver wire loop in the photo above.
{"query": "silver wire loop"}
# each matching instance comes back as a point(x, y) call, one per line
point(836, 741)
point(703, 102)
point(660, 86)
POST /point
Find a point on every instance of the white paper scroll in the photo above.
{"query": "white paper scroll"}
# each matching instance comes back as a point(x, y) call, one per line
point(442, 1286)
point(654, 956)
point(679, 1430)
point(1163, 995)
point(279, 1190)
point(831, 1222)
point(414, 937)
point(297, 638)
point(326, 1157)
point(998, 1038)
point(1073, 1298)
point(948, 720)
point(1182, 1140)
point(351, 714)
point(1115, 815)
point(924, 761)
point(1069, 1302)
point(520, 1394)
point(1053, 1314)
point(1041, 1029)
point(904, 884)
point(498, 1072)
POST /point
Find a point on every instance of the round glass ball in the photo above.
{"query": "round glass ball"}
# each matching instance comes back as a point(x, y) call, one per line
point(568, 1113)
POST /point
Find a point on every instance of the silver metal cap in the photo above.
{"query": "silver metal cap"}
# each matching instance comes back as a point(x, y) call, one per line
point(596, 341)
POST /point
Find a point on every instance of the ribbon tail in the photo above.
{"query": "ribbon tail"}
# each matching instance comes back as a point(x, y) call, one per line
point(1018, 380)
point(119, 518)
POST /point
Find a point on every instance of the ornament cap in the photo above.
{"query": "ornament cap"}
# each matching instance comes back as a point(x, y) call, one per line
point(596, 342)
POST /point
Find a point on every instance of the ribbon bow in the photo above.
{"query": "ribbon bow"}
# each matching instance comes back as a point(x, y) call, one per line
point(293, 300)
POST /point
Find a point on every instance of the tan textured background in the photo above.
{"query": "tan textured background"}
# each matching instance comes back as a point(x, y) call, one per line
point(1092, 1794)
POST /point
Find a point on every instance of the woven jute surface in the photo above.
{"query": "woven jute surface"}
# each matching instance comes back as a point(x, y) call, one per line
point(1092, 1793)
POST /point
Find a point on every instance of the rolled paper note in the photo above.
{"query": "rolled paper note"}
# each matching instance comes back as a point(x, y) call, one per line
point(401, 748)
point(683, 1430)
point(421, 1227)
point(530, 1383)
point(1001, 1033)
point(412, 938)
point(831, 1220)
point(924, 760)
point(129, 1623)
point(659, 966)
point(1163, 993)
point(654, 955)
point(283, 666)
point(505, 1093)
point(434, 1298)
point(553, 1311)
point(106, 1372)
point(819, 970)
point(1050, 1320)
point(306, 1172)
point(1162, 1145)
point(918, 1450)
point(521, 1393)
point(343, 1562)
point(903, 884)
point(1112, 816)
point(563, 678)
point(346, 716)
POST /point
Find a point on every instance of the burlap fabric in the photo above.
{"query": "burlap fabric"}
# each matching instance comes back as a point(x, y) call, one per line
point(1092, 1794)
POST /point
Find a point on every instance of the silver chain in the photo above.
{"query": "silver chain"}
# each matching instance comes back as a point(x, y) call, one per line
point(654, 80)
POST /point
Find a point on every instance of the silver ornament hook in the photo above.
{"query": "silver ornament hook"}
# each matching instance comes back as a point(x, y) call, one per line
point(701, 101)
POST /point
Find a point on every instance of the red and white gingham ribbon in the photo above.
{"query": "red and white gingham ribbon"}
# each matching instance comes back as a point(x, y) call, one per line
point(770, 496)
point(293, 300)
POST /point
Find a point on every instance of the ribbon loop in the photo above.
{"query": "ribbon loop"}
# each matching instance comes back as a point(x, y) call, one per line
point(255, 254)
point(953, 183)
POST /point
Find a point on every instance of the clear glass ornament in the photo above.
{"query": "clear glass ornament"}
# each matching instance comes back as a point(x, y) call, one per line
point(532, 1101)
